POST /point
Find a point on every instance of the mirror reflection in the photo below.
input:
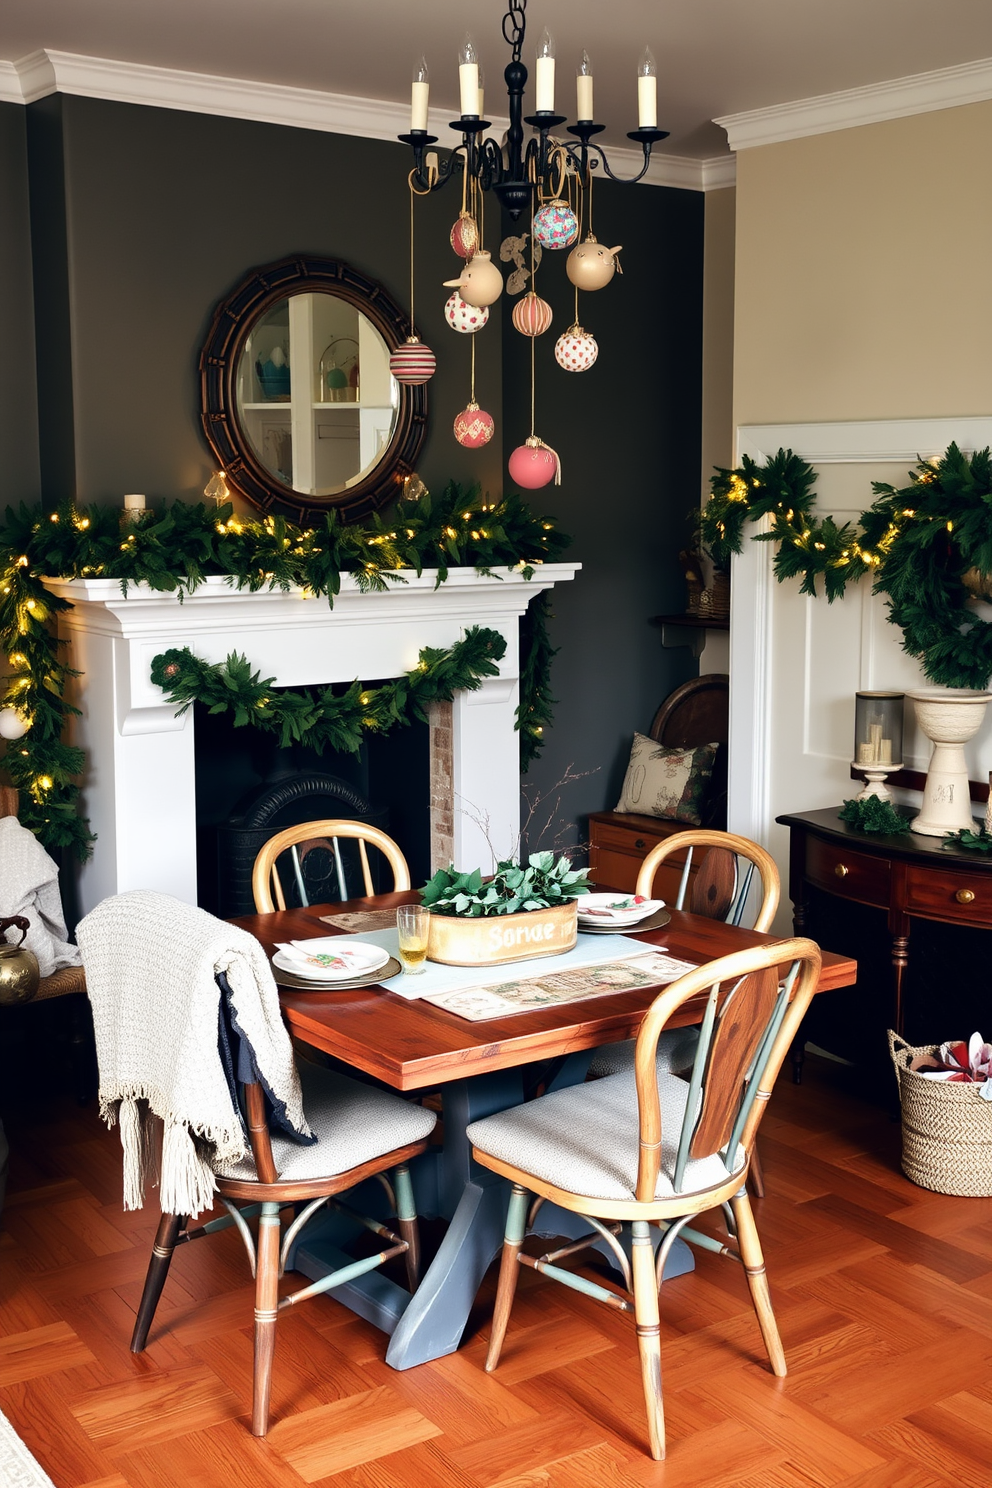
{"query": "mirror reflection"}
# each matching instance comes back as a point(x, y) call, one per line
point(316, 399)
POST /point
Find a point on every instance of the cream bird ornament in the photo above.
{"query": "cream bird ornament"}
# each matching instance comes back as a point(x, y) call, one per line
point(591, 265)
point(480, 283)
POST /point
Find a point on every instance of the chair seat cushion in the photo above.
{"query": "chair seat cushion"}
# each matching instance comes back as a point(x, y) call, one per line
point(585, 1139)
point(676, 1051)
point(354, 1124)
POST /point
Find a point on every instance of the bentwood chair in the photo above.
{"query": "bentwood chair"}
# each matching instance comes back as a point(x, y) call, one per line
point(654, 1151)
point(266, 884)
point(362, 1132)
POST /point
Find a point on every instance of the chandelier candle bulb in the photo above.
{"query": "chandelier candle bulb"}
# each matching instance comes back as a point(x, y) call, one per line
point(583, 91)
point(647, 92)
point(420, 96)
point(468, 80)
point(544, 74)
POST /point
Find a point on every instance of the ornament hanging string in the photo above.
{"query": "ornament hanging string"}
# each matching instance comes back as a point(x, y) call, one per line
point(413, 194)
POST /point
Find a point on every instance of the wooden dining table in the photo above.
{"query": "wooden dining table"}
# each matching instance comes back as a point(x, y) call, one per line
point(478, 1068)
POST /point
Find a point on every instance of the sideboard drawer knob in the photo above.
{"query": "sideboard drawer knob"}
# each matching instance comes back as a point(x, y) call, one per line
point(842, 870)
point(965, 896)
point(639, 842)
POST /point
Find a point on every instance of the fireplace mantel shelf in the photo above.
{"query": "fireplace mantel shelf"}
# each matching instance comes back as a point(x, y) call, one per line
point(140, 755)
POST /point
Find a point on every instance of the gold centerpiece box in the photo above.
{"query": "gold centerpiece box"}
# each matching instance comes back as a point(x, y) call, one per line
point(523, 911)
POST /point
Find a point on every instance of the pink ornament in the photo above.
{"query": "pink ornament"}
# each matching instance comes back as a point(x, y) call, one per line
point(534, 464)
point(576, 349)
point(474, 427)
point(413, 363)
point(463, 317)
point(556, 225)
point(465, 235)
point(532, 315)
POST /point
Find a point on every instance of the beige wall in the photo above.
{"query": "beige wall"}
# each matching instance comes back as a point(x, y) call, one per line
point(864, 272)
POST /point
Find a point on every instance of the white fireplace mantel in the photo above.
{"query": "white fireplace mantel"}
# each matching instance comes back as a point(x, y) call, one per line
point(139, 784)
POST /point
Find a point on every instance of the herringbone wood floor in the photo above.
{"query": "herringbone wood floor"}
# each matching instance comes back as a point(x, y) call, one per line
point(883, 1294)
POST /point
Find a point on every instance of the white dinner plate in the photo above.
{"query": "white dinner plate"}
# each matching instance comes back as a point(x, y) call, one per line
point(615, 918)
point(321, 960)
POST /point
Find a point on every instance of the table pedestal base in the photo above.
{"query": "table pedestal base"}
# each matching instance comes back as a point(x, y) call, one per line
point(450, 1185)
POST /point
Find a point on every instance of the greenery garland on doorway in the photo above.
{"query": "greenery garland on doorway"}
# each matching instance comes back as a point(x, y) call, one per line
point(176, 549)
point(928, 547)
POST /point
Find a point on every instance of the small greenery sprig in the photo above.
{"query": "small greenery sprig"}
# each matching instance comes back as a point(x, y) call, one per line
point(980, 841)
point(544, 882)
point(873, 815)
point(318, 718)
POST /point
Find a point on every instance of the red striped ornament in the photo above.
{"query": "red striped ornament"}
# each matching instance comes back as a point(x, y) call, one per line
point(413, 363)
point(532, 315)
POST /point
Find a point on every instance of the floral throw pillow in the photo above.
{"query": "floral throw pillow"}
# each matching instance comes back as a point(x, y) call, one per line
point(667, 782)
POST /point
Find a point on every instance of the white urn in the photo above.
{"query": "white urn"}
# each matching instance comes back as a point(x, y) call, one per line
point(949, 716)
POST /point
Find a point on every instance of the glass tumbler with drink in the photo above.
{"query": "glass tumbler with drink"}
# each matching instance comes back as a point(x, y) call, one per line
point(413, 923)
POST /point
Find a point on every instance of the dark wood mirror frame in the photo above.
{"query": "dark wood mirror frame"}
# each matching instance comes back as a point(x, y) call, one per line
point(232, 323)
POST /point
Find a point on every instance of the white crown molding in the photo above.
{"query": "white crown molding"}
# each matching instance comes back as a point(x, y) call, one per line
point(922, 93)
point(872, 441)
point(46, 72)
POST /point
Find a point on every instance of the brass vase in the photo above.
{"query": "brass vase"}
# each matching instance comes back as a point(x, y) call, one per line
point(19, 974)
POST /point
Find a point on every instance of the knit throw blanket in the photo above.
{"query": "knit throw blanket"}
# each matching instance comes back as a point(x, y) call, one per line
point(29, 886)
point(151, 963)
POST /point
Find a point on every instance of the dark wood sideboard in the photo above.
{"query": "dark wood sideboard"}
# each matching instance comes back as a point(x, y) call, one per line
point(888, 900)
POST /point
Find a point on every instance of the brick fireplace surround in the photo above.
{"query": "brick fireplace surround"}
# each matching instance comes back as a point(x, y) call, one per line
point(139, 788)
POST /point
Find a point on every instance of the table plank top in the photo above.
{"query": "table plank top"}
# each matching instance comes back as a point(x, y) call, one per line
point(413, 1045)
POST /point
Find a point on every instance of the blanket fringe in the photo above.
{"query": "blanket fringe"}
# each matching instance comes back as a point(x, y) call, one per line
point(187, 1184)
point(134, 1141)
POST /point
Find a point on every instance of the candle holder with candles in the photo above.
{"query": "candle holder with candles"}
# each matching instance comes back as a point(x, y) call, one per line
point(877, 740)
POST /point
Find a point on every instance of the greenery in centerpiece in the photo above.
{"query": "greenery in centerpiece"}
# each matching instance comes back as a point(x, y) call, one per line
point(980, 841)
point(545, 881)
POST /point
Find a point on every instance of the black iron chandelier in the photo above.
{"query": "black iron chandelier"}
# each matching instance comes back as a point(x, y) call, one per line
point(513, 170)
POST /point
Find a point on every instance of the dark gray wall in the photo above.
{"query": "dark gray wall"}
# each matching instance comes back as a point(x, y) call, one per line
point(144, 218)
point(628, 432)
point(19, 476)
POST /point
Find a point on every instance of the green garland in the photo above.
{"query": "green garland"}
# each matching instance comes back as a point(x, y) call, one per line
point(319, 719)
point(927, 545)
point(176, 549)
point(980, 841)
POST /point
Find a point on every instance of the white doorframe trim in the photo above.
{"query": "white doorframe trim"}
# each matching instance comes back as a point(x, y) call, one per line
point(752, 582)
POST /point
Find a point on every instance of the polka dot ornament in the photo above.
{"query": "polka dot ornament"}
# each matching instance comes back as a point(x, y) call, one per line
point(413, 363)
point(576, 350)
point(532, 315)
point(464, 317)
point(474, 427)
point(556, 225)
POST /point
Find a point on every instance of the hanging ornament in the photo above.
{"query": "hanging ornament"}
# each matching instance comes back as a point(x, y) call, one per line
point(413, 363)
point(12, 725)
point(576, 349)
point(532, 315)
point(591, 265)
point(534, 464)
point(464, 317)
point(474, 427)
point(481, 282)
point(556, 225)
point(465, 235)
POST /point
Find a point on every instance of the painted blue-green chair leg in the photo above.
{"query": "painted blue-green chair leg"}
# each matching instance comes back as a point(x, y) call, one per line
point(406, 1216)
point(513, 1239)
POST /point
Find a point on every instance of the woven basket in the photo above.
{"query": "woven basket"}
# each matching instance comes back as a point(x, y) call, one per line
point(946, 1129)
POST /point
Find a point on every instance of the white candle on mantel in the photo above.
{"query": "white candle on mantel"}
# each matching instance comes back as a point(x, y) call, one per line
point(647, 92)
point(583, 90)
point(134, 503)
point(544, 75)
point(468, 80)
point(420, 97)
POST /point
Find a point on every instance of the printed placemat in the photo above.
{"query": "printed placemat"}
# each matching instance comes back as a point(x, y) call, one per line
point(554, 989)
point(362, 919)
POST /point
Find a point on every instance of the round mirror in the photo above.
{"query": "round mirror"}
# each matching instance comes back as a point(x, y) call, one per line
point(299, 405)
